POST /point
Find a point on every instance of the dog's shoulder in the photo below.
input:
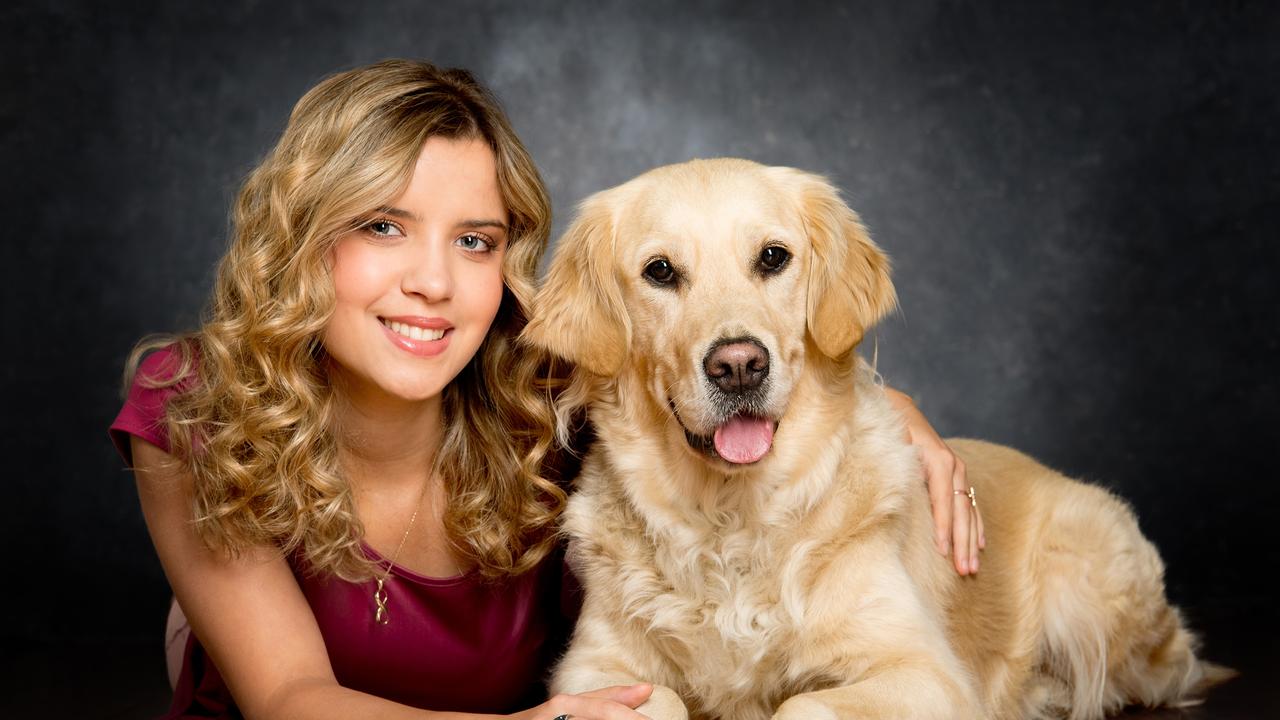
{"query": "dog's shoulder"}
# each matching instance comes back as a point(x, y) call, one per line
point(879, 473)
point(600, 520)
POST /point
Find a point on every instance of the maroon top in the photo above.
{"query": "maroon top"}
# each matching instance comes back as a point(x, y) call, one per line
point(458, 643)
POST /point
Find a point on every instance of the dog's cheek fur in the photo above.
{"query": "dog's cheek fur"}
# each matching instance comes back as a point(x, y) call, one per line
point(654, 364)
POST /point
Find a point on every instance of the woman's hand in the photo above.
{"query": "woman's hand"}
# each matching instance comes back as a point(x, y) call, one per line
point(611, 703)
point(956, 520)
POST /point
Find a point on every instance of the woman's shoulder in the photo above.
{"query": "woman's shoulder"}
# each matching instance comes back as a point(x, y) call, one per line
point(160, 375)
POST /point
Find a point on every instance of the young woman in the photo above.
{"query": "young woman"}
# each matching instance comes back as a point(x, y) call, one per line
point(348, 471)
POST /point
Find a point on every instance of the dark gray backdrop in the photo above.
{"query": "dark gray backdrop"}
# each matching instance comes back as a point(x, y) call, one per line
point(1080, 199)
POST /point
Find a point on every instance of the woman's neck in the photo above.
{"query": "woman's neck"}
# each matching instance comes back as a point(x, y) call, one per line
point(386, 447)
point(388, 438)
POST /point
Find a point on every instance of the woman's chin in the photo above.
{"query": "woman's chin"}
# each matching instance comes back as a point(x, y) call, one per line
point(413, 392)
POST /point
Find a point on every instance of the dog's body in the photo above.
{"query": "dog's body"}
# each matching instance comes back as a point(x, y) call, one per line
point(752, 529)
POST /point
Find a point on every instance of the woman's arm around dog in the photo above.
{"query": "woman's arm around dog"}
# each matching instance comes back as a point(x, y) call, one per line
point(956, 520)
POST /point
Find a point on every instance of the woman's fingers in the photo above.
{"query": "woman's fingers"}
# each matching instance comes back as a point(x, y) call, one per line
point(629, 695)
point(960, 530)
point(938, 479)
point(610, 703)
point(973, 543)
point(966, 539)
point(982, 531)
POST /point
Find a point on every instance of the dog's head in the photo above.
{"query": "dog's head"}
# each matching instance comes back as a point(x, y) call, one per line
point(709, 284)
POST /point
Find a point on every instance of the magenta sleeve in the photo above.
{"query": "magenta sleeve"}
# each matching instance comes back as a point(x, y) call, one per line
point(143, 412)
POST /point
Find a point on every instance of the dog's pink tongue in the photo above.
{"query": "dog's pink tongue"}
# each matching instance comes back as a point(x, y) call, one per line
point(744, 439)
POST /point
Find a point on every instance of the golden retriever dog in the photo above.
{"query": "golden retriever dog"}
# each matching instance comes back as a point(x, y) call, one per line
point(751, 528)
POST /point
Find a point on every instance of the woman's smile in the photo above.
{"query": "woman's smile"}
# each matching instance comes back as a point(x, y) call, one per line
point(420, 336)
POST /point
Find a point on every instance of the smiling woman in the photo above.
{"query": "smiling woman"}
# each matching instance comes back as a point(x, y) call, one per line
point(345, 471)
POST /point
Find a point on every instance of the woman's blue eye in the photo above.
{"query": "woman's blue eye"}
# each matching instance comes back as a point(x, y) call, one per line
point(383, 227)
point(474, 243)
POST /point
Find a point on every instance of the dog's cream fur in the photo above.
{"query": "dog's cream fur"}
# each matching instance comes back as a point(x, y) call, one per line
point(806, 585)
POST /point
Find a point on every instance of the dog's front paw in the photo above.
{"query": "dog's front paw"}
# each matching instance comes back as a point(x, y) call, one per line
point(664, 704)
point(801, 707)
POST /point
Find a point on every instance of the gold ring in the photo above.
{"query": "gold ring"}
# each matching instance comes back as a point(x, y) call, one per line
point(970, 493)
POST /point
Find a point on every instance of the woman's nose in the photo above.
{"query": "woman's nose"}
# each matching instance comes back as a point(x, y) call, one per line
point(430, 272)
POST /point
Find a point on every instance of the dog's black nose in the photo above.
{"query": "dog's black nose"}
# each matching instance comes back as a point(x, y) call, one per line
point(737, 365)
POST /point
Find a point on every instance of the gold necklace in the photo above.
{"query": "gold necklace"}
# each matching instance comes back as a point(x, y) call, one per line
point(380, 615)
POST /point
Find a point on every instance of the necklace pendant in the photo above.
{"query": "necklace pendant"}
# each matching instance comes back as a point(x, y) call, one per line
point(380, 600)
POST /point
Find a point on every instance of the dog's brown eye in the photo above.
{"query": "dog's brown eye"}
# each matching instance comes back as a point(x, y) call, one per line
point(773, 258)
point(660, 271)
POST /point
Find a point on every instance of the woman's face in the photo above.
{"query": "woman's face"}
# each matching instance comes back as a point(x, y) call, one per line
point(418, 286)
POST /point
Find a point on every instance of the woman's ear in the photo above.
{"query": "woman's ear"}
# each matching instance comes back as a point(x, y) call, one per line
point(849, 285)
point(578, 313)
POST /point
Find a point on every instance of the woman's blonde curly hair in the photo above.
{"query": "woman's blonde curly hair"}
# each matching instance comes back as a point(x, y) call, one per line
point(254, 416)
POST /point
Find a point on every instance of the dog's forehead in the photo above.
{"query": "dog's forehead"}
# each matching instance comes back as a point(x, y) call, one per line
point(705, 201)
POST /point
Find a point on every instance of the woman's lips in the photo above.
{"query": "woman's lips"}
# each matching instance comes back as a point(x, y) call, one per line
point(424, 337)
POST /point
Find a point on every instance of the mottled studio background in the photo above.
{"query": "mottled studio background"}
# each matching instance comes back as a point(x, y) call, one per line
point(1082, 200)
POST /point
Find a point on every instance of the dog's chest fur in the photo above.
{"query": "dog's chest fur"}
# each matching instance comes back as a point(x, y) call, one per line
point(709, 602)
point(713, 584)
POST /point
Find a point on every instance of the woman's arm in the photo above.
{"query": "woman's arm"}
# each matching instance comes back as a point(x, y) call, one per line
point(256, 625)
point(957, 523)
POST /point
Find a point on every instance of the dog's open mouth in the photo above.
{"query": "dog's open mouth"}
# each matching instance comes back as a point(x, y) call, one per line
point(742, 439)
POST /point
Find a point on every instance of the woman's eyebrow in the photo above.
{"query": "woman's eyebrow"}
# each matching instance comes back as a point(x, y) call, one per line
point(406, 215)
point(398, 213)
point(484, 223)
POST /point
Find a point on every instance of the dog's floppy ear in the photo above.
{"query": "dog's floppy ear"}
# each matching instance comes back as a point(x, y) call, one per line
point(849, 286)
point(578, 313)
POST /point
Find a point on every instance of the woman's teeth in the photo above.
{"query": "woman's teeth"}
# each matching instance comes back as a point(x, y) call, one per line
point(413, 332)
